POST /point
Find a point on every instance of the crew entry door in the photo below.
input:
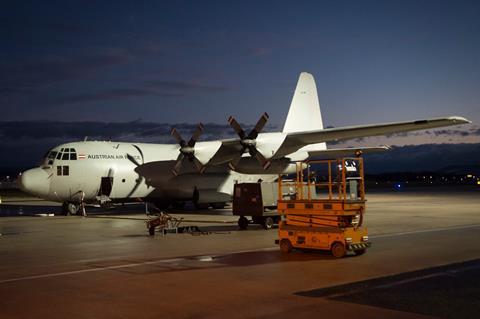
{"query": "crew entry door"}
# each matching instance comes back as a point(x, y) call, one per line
point(106, 184)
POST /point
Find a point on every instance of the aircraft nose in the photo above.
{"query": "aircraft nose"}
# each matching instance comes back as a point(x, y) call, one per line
point(34, 181)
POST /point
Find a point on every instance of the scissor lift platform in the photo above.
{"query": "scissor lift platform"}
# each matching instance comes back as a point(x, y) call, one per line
point(333, 222)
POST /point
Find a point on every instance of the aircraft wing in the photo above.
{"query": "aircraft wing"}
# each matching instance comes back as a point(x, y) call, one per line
point(297, 140)
point(228, 150)
point(344, 152)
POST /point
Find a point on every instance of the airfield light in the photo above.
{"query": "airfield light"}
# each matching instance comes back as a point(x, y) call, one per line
point(478, 182)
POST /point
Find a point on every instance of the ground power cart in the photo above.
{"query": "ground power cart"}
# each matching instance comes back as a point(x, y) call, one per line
point(327, 211)
point(258, 201)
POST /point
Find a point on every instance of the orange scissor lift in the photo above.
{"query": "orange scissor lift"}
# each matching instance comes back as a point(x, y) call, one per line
point(324, 211)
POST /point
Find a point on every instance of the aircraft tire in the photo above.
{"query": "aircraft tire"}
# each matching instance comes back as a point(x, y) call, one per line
point(220, 205)
point(65, 209)
point(201, 205)
point(70, 209)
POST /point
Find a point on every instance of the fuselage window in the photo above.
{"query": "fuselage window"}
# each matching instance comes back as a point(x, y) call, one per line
point(59, 170)
point(66, 170)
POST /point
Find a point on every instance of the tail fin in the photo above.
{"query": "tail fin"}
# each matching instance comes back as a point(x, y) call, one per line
point(304, 113)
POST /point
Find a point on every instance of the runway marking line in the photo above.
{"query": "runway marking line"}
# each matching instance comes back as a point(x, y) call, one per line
point(131, 265)
point(425, 231)
point(153, 262)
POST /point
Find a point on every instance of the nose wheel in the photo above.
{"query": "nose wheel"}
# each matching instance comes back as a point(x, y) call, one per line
point(72, 209)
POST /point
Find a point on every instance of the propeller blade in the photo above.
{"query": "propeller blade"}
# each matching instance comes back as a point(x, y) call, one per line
point(259, 126)
point(178, 164)
point(133, 160)
point(237, 128)
point(196, 135)
point(262, 160)
point(198, 165)
point(234, 162)
point(137, 184)
point(178, 137)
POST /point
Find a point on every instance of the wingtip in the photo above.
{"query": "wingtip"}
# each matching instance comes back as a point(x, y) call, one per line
point(459, 120)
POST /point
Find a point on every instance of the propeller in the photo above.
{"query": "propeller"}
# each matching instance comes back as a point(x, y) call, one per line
point(249, 142)
point(140, 178)
point(187, 150)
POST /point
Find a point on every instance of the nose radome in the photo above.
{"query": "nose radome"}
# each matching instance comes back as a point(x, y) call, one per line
point(34, 181)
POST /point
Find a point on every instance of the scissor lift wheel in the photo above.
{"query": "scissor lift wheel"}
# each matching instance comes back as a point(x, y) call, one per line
point(285, 246)
point(338, 250)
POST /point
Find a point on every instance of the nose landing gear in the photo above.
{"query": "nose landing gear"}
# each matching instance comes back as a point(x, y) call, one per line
point(72, 208)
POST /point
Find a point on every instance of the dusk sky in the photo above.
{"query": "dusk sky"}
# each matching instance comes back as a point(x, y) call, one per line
point(190, 61)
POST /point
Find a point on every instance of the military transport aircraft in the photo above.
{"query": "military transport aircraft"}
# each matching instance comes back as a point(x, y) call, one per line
point(99, 172)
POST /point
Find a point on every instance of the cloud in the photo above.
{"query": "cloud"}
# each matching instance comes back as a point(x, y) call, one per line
point(425, 157)
point(56, 69)
point(259, 51)
point(136, 131)
point(158, 88)
point(183, 86)
point(476, 132)
point(28, 141)
point(451, 132)
point(61, 27)
point(114, 94)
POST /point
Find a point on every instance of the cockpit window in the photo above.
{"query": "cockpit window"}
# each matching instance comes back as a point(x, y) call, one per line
point(66, 154)
point(49, 158)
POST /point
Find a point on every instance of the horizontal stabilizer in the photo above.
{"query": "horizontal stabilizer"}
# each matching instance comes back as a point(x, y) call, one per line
point(345, 152)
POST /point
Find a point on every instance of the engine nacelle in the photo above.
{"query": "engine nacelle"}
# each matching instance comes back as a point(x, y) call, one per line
point(249, 165)
point(202, 196)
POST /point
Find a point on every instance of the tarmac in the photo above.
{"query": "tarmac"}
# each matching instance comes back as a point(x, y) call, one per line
point(424, 262)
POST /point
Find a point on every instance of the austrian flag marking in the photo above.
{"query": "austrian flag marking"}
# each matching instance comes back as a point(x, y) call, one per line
point(81, 156)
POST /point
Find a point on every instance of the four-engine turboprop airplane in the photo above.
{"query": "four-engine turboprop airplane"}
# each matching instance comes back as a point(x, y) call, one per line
point(203, 172)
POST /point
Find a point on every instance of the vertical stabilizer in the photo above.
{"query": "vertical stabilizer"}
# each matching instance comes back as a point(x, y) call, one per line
point(304, 113)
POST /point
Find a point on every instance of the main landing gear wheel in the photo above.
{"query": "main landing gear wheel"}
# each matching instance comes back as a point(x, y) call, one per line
point(218, 205)
point(285, 246)
point(200, 206)
point(243, 222)
point(268, 223)
point(338, 250)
